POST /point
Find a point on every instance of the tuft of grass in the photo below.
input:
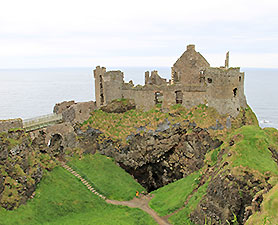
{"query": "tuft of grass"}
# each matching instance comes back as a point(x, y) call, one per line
point(61, 199)
point(172, 196)
point(108, 178)
point(214, 155)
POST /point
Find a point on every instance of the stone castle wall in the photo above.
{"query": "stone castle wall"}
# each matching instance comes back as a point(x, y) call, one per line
point(193, 82)
point(6, 125)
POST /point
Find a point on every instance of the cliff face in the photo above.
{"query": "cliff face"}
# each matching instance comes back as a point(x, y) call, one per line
point(156, 158)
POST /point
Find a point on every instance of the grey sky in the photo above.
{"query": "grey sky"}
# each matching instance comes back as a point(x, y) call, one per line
point(35, 33)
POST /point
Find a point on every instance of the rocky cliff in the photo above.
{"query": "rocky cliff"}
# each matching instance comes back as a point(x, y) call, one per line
point(22, 162)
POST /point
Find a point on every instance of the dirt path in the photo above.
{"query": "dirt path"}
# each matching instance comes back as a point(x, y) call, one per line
point(142, 203)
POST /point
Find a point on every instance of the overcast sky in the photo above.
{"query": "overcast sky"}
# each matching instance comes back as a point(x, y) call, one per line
point(65, 33)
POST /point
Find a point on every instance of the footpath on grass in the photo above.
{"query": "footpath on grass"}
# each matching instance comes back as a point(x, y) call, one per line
point(142, 202)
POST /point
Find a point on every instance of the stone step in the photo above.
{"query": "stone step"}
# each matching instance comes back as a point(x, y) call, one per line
point(86, 183)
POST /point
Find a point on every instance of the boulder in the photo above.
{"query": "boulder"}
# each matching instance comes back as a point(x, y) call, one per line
point(119, 106)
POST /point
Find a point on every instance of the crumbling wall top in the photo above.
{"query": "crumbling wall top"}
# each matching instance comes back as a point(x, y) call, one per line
point(190, 47)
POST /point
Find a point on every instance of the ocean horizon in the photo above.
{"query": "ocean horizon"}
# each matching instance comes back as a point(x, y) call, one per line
point(27, 93)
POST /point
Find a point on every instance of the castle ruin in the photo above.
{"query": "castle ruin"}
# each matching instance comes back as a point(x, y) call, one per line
point(193, 82)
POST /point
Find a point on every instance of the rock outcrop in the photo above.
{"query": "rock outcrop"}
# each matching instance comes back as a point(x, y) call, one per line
point(156, 158)
point(21, 165)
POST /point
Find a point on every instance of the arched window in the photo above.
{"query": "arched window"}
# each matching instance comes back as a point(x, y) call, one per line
point(158, 97)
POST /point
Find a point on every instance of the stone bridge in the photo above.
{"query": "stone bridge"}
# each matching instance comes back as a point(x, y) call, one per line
point(42, 121)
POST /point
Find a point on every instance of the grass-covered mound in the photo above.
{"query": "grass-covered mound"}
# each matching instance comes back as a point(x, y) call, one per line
point(62, 199)
point(108, 178)
point(119, 125)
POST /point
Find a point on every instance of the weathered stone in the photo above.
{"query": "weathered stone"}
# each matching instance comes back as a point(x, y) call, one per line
point(230, 193)
point(159, 157)
point(119, 106)
point(61, 107)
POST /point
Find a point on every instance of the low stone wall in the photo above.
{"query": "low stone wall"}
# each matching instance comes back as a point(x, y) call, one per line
point(75, 112)
point(6, 125)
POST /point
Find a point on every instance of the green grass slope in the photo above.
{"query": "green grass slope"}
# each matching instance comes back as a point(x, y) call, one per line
point(172, 196)
point(251, 149)
point(182, 217)
point(108, 178)
point(62, 199)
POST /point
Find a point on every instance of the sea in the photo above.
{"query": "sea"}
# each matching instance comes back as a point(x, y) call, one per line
point(28, 93)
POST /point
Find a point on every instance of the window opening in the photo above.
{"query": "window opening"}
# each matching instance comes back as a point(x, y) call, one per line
point(158, 97)
point(179, 97)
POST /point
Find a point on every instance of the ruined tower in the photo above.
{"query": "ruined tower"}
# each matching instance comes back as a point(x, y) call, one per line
point(108, 85)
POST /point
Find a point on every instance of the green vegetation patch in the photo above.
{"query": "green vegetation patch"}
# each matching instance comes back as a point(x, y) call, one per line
point(183, 216)
point(172, 196)
point(251, 149)
point(108, 178)
point(61, 199)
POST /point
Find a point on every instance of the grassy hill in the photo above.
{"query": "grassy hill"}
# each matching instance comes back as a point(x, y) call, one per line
point(63, 199)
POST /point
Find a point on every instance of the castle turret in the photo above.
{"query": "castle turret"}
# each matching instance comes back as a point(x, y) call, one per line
point(108, 85)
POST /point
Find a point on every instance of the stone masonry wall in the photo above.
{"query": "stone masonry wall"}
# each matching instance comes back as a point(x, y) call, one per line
point(79, 112)
point(5, 125)
point(61, 107)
